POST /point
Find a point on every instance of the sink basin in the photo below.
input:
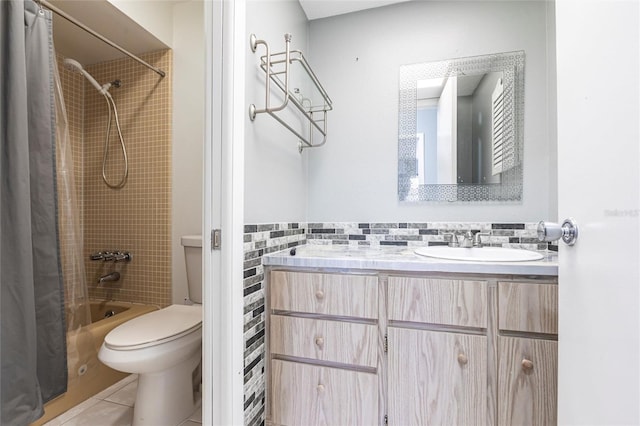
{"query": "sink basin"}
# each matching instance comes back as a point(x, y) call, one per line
point(475, 254)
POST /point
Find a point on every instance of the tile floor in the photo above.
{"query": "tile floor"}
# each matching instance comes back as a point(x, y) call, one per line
point(111, 407)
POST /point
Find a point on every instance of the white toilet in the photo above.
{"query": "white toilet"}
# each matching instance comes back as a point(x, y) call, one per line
point(164, 348)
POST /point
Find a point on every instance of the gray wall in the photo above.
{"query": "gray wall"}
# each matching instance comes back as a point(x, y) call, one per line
point(275, 173)
point(357, 56)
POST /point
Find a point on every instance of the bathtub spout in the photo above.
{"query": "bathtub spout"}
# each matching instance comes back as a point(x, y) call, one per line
point(114, 276)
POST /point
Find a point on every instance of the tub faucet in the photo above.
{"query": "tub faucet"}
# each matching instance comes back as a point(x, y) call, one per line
point(114, 276)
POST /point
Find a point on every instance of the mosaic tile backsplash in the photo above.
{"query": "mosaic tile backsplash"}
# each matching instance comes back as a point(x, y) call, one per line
point(515, 235)
point(261, 239)
point(258, 241)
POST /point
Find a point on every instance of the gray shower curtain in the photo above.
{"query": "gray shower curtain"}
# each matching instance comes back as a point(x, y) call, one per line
point(32, 328)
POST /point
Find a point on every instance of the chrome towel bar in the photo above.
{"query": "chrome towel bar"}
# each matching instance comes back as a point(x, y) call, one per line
point(277, 69)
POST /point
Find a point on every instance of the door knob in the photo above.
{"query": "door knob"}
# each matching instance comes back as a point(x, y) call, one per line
point(549, 231)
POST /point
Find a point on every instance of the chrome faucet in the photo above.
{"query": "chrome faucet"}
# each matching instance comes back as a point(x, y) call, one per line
point(114, 276)
point(467, 241)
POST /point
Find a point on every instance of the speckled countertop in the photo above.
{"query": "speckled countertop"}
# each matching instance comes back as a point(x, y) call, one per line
point(401, 259)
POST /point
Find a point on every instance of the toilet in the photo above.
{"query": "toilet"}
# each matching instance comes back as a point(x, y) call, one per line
point(164, 348)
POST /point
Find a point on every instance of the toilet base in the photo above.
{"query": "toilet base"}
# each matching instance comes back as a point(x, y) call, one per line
point(168, 397)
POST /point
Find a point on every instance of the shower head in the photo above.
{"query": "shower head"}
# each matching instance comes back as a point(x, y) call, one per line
point(74, 65)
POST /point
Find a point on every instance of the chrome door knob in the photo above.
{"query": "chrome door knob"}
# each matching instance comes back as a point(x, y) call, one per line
point(549, 231)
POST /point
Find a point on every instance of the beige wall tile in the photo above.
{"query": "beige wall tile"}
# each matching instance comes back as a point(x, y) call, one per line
point(136, 218)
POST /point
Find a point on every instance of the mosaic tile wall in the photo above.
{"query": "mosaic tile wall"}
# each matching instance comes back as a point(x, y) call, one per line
point(268, 238)
point(258, 241)
point(136, 218)
point(516, 235)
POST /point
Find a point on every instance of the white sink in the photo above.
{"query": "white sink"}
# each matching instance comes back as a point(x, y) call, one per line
point(475, 254)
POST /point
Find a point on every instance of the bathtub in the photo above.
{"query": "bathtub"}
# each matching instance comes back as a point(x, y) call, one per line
point(87, 375)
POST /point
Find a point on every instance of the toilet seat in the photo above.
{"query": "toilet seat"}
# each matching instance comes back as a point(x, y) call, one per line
point(155, 328)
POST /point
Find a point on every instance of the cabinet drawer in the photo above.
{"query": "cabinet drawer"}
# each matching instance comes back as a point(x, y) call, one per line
point(309, 395)
point(527, 381)
point(530, 307)
point(438, 301)
point(340, 295)
point(344, 342)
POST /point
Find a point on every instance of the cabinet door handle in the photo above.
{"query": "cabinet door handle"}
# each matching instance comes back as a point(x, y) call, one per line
point(527, 364)
point(462, 359)
point(320, 388)
point(319, 342)
point(319, 294)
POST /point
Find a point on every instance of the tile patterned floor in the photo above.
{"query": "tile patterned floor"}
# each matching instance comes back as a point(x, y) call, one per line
point(111, 407)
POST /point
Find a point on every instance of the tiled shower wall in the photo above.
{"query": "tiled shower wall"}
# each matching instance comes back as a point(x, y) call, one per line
point(136, 218)
point(268, 238)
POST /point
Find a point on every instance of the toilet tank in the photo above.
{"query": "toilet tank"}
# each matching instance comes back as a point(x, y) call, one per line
point(193, 257)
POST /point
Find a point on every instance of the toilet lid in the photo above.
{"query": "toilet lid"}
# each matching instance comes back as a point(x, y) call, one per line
point(155, 327)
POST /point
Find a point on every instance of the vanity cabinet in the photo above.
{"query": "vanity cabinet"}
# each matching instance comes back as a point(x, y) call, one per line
point(410, 349)
point(437, 351)
point(323, 349)
point(436, 378)
point(527, 353)
point(527, 383)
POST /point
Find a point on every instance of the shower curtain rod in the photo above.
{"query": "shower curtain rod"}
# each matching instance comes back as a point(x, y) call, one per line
point(74, 21)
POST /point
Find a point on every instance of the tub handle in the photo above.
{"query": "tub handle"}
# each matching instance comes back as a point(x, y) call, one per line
point(97, 256)
point(112, 256)
point(122, 256)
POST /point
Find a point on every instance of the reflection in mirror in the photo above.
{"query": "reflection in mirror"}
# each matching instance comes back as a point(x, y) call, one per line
point(455, 147)
point(460, 127)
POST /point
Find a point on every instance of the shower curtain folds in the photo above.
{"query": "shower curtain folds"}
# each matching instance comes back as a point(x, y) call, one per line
point(32, 323)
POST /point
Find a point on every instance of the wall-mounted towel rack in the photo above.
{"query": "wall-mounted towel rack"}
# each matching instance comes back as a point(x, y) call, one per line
point(277, 68)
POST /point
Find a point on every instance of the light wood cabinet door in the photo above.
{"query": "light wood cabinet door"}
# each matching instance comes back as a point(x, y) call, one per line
point(438, 301)
point(310, 395)
point(437, 378)
point(528, 307)
point(527, 381)
point(327, 294)
point(336, 341)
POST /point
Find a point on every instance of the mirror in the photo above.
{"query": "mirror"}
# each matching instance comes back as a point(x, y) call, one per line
point(460, 129)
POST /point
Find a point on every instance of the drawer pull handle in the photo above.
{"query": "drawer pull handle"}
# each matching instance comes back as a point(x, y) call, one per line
point(319, 294)
point(319, 342)
point(320, 388)
point(462, 359)
point(527, 364)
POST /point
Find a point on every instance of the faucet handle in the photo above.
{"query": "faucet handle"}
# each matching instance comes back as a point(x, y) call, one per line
point(108, 256)
point(477, 238)
point(122, 256)
point(452, 239)
point(97, 256)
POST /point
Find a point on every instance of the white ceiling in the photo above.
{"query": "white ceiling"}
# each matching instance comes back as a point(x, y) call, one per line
point(109, 21)
point(316, 9)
